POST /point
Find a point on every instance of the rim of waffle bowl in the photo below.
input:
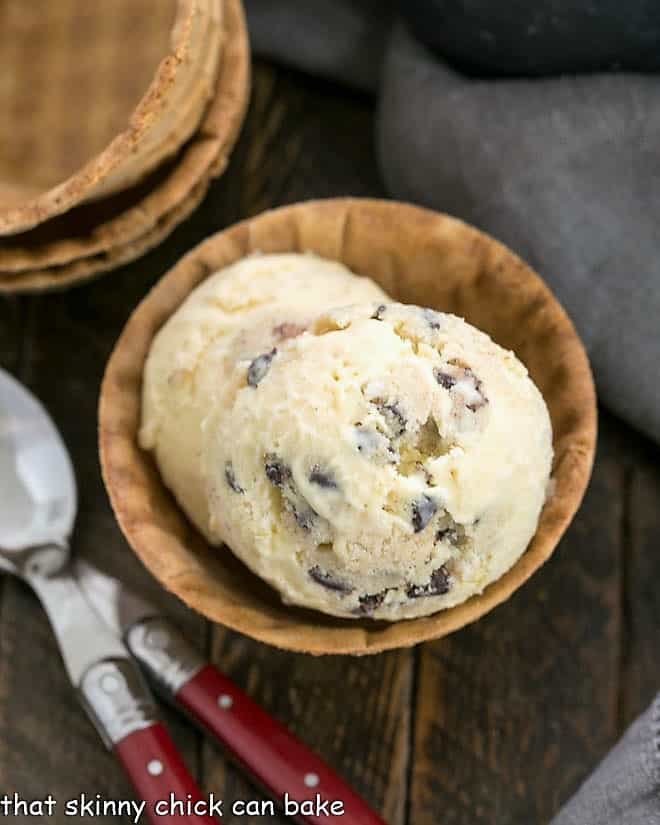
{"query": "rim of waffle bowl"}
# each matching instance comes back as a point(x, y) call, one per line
point(167, 114)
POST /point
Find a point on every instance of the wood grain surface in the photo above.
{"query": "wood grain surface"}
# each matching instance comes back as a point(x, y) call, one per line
point(498, 723)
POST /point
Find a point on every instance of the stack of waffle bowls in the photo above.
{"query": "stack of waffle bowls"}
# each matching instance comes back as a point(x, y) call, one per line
point(118, 114)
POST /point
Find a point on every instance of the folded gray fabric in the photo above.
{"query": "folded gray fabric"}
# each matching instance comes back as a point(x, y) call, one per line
point(564, 170)
point(625, 788)
point(341, 39)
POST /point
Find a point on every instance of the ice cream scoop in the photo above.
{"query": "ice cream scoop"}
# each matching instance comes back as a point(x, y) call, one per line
point(390, 462)
point(238, 316)
point(382, 460)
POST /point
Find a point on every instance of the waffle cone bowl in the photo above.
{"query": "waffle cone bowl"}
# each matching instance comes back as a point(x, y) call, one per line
point(179, 136)
point(82, 269)
point(419, 257)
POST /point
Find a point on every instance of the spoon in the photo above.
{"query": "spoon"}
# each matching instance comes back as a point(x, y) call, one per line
point(103, 630)
point(38, 504)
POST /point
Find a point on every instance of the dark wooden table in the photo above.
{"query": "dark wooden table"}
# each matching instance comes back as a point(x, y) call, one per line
point(498, 723)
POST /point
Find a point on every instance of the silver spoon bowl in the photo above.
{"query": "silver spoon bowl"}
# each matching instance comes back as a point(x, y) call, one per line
point(38, 505)
point(38, 498)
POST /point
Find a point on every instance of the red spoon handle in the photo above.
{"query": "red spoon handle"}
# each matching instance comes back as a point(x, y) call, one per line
point(160, 776)
point(277, 759)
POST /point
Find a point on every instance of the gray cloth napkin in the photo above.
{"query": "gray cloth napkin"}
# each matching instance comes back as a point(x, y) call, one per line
point(341, 39)
point(567, 172)
point(564, 170)
point(625, 788)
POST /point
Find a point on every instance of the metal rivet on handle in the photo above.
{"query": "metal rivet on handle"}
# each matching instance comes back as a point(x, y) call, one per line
point(157, 638)
point(225, 701)
point(155, 767)
point(312, 780)
point(111, 683)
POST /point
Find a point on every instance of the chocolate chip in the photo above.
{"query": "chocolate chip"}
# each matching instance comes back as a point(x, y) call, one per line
point(230, 478)
point(276, 470)
point(324, 478)
point(444, 379)
point(370, 601)
point(447, 534)
point(304, 515)
point(432, 318)
point(478, 386)
point(423, 510)
point(279, 474)
point(462, 375)
point(329, 580)
point(378, 314)
point(374, 445)
point(394, 416)
point(288, 330)
point(439, 583)
point(259, 367)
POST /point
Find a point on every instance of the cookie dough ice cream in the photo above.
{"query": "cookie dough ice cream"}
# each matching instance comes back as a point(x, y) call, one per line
point(203, 353)
point(377, 460)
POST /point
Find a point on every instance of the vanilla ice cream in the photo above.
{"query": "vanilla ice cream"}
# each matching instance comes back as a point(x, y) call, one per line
point(242, 311)
point(374, 460)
